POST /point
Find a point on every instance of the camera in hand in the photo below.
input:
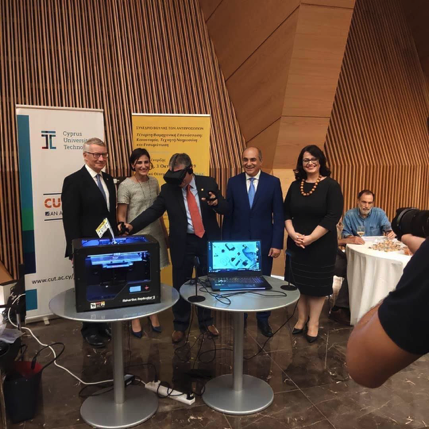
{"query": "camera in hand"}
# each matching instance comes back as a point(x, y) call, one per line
point(409, 220)
point(211, 197)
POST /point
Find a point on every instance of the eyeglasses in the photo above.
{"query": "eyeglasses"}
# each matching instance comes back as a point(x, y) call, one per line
point(97, 155)
point(308, 160)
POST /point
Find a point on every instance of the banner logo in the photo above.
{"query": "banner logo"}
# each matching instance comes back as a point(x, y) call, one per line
point(52, 206)
point(49, 135)
point(51, 203)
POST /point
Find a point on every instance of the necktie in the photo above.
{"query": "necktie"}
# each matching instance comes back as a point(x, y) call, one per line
point(197, 221)
point(100, 186)
point(251, 193)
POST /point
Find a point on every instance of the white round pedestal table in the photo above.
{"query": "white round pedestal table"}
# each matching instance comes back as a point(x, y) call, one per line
point(236, 393)
point(122, 407)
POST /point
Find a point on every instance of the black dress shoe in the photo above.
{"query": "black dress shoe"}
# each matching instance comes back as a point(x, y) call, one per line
point(297, 331)
point(95, 340)
point(265, 329)
point(311, 339)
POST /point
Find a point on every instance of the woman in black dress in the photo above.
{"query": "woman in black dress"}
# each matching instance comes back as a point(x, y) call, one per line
point(313, 207)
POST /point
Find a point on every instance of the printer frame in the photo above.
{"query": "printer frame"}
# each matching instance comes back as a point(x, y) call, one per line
point(124, 293)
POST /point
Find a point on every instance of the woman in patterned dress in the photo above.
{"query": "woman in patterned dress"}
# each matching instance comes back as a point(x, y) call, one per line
point(136, 194)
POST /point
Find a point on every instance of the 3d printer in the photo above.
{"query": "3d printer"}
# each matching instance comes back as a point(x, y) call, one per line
point(116, 273)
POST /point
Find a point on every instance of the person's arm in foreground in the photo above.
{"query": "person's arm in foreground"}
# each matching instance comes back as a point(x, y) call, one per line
point(372, 356)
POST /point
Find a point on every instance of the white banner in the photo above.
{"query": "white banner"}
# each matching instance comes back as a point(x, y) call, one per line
point(50, 148)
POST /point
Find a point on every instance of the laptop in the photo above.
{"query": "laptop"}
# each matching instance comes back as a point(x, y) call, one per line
point(235, 265)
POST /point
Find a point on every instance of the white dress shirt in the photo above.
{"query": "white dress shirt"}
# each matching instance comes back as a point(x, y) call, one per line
point(255, 182)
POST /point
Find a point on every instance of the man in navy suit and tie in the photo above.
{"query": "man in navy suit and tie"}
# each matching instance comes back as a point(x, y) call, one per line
point(256, 213)
point(88, 197)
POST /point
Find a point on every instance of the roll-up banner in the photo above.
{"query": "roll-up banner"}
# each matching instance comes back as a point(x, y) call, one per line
point(50, 144)
point(163, 135)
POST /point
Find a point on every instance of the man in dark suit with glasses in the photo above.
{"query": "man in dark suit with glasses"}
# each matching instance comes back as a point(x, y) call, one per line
point(88, 197)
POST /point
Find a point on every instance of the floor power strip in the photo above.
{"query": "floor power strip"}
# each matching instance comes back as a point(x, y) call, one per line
point(154, 386)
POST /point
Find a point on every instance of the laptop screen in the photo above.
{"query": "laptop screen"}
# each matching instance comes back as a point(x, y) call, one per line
point(234, 256)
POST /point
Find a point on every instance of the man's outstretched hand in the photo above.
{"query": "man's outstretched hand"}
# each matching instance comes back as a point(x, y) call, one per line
point(124, 228)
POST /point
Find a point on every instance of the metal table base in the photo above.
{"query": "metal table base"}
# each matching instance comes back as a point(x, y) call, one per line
point(237, 394)
point(102, 411)
point(120, 408)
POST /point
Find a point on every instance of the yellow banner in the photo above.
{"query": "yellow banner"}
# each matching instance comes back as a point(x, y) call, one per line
point(163, 135)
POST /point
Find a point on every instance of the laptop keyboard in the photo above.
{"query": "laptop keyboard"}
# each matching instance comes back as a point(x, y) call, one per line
point(242, 280)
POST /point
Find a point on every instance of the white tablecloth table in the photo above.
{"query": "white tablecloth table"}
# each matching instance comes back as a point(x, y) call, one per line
point(371, 275)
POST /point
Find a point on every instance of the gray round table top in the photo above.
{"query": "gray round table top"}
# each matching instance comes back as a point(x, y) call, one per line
point(64, 305)
point(245, 302)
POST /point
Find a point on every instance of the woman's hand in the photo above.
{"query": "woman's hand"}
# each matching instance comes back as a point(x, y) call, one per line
point(298, 239)
point(307, 240)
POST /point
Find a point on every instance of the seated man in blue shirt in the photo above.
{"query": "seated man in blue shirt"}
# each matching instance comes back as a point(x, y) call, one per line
point(373, 222)
point(373, 219)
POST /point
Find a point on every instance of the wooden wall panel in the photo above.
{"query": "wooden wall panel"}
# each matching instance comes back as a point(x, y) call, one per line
point(378, 135)
point(319, 45)
point(318, 51)
point(239, 27)
point(348, 4)
point(209, 7)
point(265, 141)
point(257, 88)
point(294, 134)
point(121, 56)
point(282, 61)
point(417, 13)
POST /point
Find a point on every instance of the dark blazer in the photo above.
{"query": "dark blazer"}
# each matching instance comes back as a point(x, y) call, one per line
point(264, 221)
point(170, 199)
point(84, 206)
